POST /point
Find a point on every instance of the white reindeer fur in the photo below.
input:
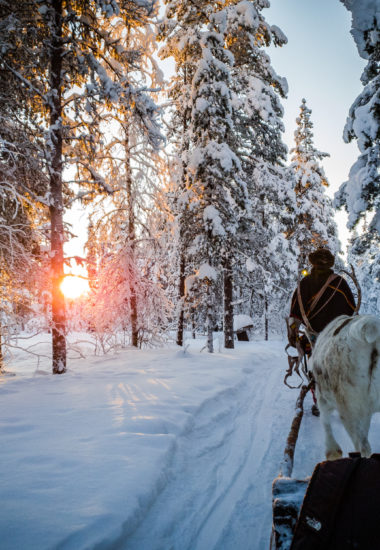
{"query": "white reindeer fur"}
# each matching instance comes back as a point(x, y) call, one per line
point(346, 368)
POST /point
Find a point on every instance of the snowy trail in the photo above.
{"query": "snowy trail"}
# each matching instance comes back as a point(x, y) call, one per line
point(151, 450)
point(221, 466)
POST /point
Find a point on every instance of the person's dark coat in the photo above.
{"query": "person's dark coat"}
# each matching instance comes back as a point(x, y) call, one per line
point(336, 300)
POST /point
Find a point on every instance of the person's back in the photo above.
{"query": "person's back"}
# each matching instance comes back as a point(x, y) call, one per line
point(336, 299)
point(320, 297)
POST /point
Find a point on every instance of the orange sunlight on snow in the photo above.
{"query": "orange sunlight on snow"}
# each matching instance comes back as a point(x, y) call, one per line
point(73, 287)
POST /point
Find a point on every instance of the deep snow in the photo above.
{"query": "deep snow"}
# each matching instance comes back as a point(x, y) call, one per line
point(150, 450)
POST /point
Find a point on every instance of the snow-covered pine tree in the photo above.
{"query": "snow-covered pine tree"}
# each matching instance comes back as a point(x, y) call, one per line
point(256, 87)
point(270, 266)
point(84, 74)
point(215, 188)
point(360, 195)
point(314, 223)
point(264, 266)
point(181, 31)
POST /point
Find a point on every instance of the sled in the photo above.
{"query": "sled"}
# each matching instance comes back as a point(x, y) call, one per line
point(288, 493)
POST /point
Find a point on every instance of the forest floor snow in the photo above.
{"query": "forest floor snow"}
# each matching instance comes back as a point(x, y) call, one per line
point(150, 449)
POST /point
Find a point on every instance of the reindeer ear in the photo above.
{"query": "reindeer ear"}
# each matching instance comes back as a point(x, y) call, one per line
point(371, 332)
point(364, 328)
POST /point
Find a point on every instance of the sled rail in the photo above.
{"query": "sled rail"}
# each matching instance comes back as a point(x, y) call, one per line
point(288, 494)
point(287, 464)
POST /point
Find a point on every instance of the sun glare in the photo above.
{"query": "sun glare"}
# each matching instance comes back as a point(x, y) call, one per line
point(73, 287)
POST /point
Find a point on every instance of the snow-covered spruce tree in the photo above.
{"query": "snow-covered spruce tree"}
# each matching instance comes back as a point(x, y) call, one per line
point(256, 87)
point(256, 115)
point(181, 31)
point(215, 188)
point(270, 268)
point(314, 223)
point(264, 269)
point(360, 195)
point(83, 72)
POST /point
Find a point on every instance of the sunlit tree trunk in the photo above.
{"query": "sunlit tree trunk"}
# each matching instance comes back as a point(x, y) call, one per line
point(56, 203)
point(131, 239)
point(182, 262)
point(1, 350)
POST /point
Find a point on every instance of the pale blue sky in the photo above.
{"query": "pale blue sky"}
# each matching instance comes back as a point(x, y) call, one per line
point(321, 64)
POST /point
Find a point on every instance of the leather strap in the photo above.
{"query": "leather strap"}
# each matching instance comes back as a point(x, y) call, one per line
point(314, 302)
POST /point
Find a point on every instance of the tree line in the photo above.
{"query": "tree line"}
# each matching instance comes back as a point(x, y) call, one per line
point(195, 214)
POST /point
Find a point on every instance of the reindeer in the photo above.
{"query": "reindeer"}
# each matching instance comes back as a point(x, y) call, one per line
point(346, 367)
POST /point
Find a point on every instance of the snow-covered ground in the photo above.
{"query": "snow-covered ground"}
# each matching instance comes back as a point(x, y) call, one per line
point(150, 450)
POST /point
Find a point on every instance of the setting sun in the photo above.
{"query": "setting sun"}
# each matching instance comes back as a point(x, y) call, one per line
point(73, 286)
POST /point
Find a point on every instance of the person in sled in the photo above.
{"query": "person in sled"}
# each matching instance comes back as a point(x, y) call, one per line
point(320, 297)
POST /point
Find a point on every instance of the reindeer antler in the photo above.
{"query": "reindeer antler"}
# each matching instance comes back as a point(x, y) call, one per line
point(356, 283)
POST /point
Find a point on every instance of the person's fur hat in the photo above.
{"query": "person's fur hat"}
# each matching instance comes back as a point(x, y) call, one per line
point(322, 257)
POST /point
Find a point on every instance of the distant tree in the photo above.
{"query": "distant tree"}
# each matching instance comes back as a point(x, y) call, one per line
point(129, 295)
point(130, 163)
point(314, 224)
point(270, 262)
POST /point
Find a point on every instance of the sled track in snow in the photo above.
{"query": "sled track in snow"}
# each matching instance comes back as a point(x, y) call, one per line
point(219, 465)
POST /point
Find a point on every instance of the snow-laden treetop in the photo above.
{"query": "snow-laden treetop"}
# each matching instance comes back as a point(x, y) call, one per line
point(365, 24)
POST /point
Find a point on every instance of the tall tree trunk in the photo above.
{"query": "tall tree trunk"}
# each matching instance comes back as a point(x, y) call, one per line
point(210, 319)
point(1, 350)
point(181, 292)
point(228, 307)
point(193, 327)
point(266, 317)
point(210, 332)
point(56, 203)
point(182, 262)
point(131, 239)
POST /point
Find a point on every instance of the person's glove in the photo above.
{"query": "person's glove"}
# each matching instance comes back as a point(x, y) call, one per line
point(292, 339)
